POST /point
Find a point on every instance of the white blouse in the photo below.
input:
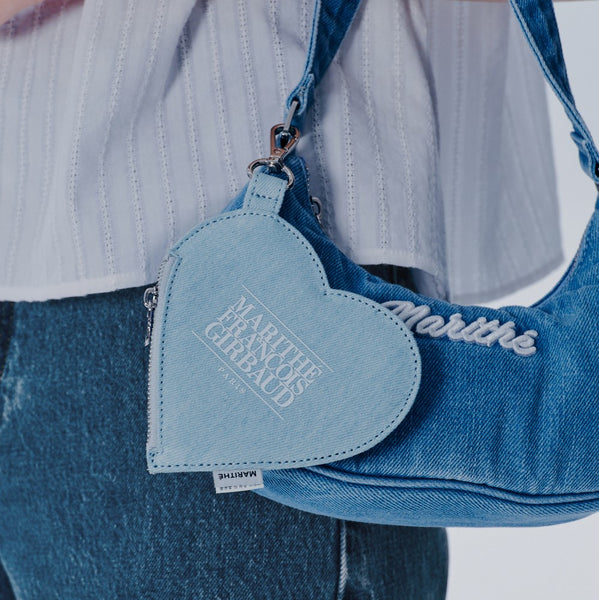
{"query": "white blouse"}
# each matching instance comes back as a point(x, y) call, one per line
point(125, 123)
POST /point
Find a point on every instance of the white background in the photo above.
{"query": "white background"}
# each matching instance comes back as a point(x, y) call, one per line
point(562, 561)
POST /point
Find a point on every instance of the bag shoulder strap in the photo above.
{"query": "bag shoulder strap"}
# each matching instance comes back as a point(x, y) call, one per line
point(332, 19)
point(537, 20)
point(330, 23)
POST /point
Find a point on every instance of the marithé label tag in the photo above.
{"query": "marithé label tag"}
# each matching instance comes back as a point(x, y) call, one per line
point(237, 481)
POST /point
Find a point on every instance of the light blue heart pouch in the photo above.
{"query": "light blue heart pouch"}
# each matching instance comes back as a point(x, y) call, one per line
point(257, 362)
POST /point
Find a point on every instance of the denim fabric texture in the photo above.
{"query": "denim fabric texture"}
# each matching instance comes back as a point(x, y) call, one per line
point(331, 21)
point(494, 437)
point(537, 19)
point(256, 362)
point(81, 518)
point(503, 430)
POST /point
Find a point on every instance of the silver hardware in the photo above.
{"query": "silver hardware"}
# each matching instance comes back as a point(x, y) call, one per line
point(316, 205)
point(150, 302)
point(278, 152)
point(292, 110)
point(283, 138)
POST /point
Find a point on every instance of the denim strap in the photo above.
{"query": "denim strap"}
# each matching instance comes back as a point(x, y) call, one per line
point(265, 192)
point(330, 23)
point(537, 19)
point(332, 19)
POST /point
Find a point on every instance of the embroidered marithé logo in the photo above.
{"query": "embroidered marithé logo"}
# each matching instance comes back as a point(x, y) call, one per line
point(266, 356)
point(481, 331)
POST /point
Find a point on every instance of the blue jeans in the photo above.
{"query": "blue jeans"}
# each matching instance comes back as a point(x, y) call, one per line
point(81, 518)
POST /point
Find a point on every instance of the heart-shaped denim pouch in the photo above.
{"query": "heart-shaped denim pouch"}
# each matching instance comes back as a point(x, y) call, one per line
point(256, 361)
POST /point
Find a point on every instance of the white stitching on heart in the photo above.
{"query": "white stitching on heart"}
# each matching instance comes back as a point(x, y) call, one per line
point(327, 289)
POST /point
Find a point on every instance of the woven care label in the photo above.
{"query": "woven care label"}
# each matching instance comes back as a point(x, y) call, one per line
point(237, 481)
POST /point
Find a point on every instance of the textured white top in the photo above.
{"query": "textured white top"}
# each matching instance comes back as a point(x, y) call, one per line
point(126, 123)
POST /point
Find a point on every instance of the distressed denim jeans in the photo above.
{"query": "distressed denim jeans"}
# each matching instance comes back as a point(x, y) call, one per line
point(81, 518)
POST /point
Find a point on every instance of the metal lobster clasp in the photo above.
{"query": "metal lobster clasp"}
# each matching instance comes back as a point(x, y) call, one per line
point(283, 138)
point(282, 142)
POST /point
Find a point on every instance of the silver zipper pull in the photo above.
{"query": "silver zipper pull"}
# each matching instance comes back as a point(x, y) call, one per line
point(150, 302)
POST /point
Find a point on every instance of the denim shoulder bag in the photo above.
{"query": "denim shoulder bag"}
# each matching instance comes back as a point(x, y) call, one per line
point(421, 412)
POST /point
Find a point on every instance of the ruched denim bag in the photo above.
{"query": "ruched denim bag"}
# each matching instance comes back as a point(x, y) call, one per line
point(503, 429)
